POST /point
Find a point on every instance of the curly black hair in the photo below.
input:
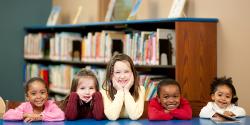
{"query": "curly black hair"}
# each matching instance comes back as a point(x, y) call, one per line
point(166, 82)
point(224, 81)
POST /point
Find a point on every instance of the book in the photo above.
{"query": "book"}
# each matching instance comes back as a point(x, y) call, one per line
point(54, 16)
point(135, 9)
point(110, 10)
point(78, 13)
point(224, 119)
point(118, 10)
point(177, 9)
point(167, 46)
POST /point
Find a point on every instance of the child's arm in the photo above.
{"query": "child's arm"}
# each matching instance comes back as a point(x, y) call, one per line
point(156, 112)
point(98, 109)
point(15, 114)
point(112, 108)
point(184, 112)
point(52, 112)
point(207, 111)
point(134, 109)
point(238, 111)
point(71, 107)
point(29, 117)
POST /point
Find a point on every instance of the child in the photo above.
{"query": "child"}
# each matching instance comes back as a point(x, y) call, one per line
point(38, 107)
point(168, 104)
point(122, 95)
point(85, 100)
point(224, 98)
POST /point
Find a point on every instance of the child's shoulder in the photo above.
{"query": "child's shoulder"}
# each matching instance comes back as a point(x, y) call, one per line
point(50, 102)
point(153, 100)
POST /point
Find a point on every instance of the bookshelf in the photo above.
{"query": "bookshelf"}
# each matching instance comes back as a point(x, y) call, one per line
point(194, 65)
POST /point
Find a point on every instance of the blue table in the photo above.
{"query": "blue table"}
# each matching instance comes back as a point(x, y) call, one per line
point(194, 121)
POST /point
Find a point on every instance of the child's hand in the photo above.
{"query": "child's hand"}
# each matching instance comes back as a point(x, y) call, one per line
point(218, 117)
point(130, 83)
point(85, 98)
point(29, 117)
point(228, 113)
point(116, 85)
point(166, 111)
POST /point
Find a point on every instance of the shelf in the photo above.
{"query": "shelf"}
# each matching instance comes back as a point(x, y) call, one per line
point(99, 64)
point(59, 91)
point(152, 24)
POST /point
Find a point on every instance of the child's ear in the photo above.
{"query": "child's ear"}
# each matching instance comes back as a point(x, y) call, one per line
point(158, 98)
point(212, 97)
point(26, 97)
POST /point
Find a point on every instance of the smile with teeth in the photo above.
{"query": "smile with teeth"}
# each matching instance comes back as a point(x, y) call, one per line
point(170, 106)
point(122, 81)
point(223, 103)
point(39, 102)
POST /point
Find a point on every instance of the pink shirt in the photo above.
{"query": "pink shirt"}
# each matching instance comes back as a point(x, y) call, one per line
point(51, 112)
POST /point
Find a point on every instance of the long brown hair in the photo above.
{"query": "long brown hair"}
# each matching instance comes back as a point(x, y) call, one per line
point(82, 73)
point(108, 85)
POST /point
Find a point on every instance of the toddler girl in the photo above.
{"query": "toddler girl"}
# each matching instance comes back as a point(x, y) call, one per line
point(85, 100)
point(38, 107)
point(224, 99)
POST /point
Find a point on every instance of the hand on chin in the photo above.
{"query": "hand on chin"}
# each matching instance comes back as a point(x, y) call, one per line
point(86, 99)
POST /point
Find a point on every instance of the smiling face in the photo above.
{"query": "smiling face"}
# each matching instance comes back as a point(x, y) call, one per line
point(37, 94)
point(86, 87)
point(122, 72)
point(222, 96)
point(169, 97)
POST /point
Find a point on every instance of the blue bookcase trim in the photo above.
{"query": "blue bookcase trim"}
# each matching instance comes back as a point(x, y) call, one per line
point(114, 24)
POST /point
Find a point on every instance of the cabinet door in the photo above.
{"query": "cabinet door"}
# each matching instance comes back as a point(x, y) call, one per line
point(196, 60)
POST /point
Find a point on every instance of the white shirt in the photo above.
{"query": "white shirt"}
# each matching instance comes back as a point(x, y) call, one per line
point(123, 105)
point(211, 108)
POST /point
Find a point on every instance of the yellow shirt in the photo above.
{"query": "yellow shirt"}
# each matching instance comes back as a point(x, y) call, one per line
point(123, 105)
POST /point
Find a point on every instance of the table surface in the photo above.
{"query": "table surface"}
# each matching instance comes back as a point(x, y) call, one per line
point(194, 121)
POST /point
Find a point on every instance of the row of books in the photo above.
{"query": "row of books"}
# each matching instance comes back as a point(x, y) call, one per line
point(144, 47)
point(59, 77)
point(150, 83)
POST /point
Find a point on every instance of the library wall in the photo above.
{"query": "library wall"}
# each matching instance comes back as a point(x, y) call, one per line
point(232, 41)
point(92, 11)
point(15, 15)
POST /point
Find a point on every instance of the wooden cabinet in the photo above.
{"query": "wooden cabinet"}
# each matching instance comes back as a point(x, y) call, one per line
point(196, 60)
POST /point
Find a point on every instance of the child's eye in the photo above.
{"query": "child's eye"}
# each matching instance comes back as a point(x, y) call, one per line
point(43, 92)
point(176, 96)
point(91, 88)
point(166, 97)
point(82, 88)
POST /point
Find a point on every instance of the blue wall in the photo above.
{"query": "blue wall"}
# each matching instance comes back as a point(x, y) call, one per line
point(14, 16)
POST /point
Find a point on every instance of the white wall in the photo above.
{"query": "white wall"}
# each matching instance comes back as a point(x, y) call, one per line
point(233, 40)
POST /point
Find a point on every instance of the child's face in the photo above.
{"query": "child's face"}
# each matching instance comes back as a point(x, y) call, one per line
point(86, 88)
point(122, 72)
point(223, 96)
point(37, 94)
point(169, 97)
